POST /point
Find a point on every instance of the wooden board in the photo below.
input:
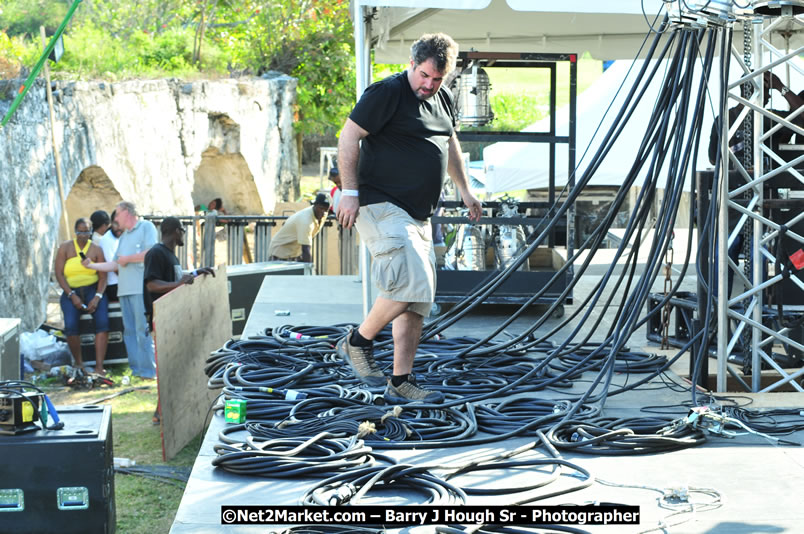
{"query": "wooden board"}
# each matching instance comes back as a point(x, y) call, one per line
point(190, 322)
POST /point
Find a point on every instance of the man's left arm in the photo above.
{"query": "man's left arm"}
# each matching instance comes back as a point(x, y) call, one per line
point(304, 236)
point(457, 173)
point(155, 269)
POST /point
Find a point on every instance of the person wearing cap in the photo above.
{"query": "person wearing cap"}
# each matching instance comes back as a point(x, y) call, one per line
point(294, 240)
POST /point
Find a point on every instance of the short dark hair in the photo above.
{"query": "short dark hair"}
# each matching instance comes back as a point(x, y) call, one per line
point(334, 171)
point(83, 220)
point(170, 225)
point(99, 218)
point(439, 47)
point(321, 199)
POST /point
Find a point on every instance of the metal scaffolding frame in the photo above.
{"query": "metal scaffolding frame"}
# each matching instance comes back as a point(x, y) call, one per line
point(752, 324)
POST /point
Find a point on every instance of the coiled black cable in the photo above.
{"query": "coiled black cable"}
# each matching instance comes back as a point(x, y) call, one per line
point(351, 487)
point(321, 455)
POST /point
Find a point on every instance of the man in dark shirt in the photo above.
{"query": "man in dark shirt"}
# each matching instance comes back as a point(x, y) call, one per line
point(393, 179)
point(162, 268)
point(783, 135)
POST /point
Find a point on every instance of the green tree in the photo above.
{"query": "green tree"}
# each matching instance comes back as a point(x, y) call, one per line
point(24, 17)
point(124, 18)
point(308, 39)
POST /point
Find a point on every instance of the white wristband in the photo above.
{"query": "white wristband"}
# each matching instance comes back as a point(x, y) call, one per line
point(350, 192)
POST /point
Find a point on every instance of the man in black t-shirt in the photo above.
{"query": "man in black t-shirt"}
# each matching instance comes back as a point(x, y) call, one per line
point(393, 179)
point(162, 268)
point(782, 136)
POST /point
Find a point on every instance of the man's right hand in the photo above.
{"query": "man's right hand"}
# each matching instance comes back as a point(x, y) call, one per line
point(347, 211)
point(77, 302)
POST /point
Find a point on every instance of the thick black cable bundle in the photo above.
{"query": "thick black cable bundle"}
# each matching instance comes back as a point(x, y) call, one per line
point(775, 422)
point(273, 406)
point(618, 437)
point(391, 427)
point(533, 466)
point(470, 376)
point(322, 455)
point(369, 422)
point(236, 350)
point(517, 415)
point(283, 371)
point(350, 487)
point(265, 360)
point(624, 361)
point(439, 426)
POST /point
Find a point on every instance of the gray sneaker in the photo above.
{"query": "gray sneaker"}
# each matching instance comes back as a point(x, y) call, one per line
point(408, 391)
point(361, 360)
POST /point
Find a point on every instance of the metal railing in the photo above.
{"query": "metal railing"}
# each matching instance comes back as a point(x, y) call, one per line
point(202, 231)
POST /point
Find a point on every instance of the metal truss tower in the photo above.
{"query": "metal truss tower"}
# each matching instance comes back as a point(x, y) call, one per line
point(760, 206)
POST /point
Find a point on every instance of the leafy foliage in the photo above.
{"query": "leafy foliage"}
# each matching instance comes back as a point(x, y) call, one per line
point(12, 53)
point(308, 39)
point(23, 17)
point(113, 39)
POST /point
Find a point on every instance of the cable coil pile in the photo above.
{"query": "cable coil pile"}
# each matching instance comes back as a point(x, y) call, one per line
point(307, 413)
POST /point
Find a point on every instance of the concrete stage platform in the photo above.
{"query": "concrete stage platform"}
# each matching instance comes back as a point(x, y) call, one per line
point(758, 486)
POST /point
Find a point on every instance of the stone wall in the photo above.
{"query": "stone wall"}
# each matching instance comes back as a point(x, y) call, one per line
point(166, 145)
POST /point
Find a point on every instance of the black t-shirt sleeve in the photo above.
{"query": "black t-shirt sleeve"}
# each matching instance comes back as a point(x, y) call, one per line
point(376, 106)
point(449, 104)
point(155, 264)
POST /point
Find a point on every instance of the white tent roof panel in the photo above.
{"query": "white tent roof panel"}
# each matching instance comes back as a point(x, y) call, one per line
point(608, 30)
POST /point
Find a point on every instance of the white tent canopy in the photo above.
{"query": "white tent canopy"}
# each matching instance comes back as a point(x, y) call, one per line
point(612, 29)
point(513, 166)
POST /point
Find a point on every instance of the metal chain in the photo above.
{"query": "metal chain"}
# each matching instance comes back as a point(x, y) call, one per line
point(748, 162)
point(748, 146)
point(747, 89)
point(668, 286)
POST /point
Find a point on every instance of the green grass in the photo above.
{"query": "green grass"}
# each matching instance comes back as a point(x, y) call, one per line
point(143, 505)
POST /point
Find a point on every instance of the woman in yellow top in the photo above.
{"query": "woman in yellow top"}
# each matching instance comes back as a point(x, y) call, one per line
point(83, 292)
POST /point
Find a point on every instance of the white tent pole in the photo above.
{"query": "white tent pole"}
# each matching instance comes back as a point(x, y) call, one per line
point(362, 48)
point(363, 78)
